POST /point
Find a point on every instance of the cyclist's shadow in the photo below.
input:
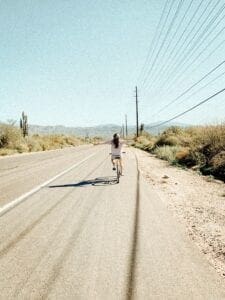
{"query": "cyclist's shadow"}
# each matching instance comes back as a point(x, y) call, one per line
point(100, 181)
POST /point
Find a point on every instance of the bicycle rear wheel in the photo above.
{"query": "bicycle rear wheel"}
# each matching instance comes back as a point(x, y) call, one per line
point(118, 172)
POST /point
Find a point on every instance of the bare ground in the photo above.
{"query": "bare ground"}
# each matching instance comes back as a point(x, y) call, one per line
point(198, 201)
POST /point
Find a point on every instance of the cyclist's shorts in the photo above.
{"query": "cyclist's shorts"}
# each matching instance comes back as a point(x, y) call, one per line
point(116, 156)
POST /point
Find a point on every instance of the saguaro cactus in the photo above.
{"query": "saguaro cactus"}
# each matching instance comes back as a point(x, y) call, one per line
point(24, 124)
point(142, 128)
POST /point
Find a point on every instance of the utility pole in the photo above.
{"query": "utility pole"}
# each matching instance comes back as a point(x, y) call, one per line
point(123, 131)
point(137, 124)
point(126, 125)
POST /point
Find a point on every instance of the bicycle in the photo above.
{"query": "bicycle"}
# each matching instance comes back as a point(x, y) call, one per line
point(118, 167)
point(116, 160)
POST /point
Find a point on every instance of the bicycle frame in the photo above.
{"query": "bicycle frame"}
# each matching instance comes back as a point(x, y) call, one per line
point(118, 169)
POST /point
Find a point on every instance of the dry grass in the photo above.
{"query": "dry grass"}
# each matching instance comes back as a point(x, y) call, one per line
point(145, 142)
point(10, 136)
point(201, 146)
point(168, 153)
point(11, 141)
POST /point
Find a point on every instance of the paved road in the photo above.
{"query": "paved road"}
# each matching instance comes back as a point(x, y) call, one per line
point(84, 237)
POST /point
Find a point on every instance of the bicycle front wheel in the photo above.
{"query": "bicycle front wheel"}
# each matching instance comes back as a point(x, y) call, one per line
point(118, 172)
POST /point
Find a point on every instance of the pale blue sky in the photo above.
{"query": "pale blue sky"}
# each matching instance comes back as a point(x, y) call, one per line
point(76, 62)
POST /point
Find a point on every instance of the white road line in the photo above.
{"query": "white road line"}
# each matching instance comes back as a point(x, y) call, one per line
point(23, 197)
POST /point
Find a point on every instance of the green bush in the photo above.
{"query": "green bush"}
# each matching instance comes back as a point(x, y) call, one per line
point(168, 153)
point(202, 146)
point(145, 142)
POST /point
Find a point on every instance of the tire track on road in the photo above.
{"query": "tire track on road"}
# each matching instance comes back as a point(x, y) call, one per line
point(15, 241)
point(134, 248)
point(55, 272)
point(8, 207)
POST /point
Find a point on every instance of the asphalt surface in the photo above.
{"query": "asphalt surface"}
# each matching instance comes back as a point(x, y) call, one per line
point(85, 237)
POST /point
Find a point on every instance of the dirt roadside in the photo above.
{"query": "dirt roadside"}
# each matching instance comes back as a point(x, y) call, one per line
point(198, 202)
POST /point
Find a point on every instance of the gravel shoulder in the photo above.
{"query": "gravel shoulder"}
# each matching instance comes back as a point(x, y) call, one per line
point(197, 201)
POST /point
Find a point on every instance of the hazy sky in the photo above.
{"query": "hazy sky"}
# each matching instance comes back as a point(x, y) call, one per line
point(76, 62)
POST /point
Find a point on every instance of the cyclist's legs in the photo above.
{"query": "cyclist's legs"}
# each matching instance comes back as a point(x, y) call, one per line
point(118, 161)
point(121, 165)
point(113, 161)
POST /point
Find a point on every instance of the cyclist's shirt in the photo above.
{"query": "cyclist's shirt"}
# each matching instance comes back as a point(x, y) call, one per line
point(116, 151)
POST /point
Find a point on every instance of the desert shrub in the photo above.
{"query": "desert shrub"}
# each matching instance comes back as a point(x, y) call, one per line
point(173, 130)
point(22, 147)
point(69, 140)
point(186, 140)
point(212, 140)
point(147, 135)
point(33, 144)
point(218, 165)
point(172, 136)
point(201, 146)
point(48, 142)
point(139, 146)
point(96, 140)
point(193, 158)
point(182, 154)
point(5, 151)
point(218, 160)
point(11, 141)
point(10, 136)
point(165, 140)
point(145, 142)
point(168, 153)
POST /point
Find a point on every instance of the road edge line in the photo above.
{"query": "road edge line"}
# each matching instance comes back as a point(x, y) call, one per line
point(4, 209)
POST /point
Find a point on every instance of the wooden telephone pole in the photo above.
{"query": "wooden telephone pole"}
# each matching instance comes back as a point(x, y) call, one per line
point(137, 116)
point(126, 126)
point(123, 131)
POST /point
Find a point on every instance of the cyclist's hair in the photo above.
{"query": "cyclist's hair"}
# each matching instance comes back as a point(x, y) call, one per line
point(116, 140)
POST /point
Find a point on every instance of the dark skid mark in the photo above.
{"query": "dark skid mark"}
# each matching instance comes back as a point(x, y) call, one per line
point(11, 168)
point(133, 255)
point(22, 234)
point(58, 266)
point(43, 253)
point(32, 226)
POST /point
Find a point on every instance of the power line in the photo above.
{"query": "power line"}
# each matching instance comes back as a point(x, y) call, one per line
point(191, 51)
point(196, 42)
point(194, 60)
point(190, 109)
point(177, 29)
point(186, 57)
point(185, 30)
point(204, 86)
point(191, 87)
point(160, 34)
point(165, 38)
point(154, 42)
point(207, 84)
point(207, 57)
point(199, 38)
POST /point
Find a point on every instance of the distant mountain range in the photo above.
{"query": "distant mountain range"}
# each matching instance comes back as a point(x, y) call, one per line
point(105, 131)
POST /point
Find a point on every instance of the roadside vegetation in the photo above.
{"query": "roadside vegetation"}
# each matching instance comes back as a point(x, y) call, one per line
point(12, 141)
point(201, 148)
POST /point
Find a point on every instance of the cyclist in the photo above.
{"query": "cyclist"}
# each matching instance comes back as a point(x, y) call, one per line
point(116, 149)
